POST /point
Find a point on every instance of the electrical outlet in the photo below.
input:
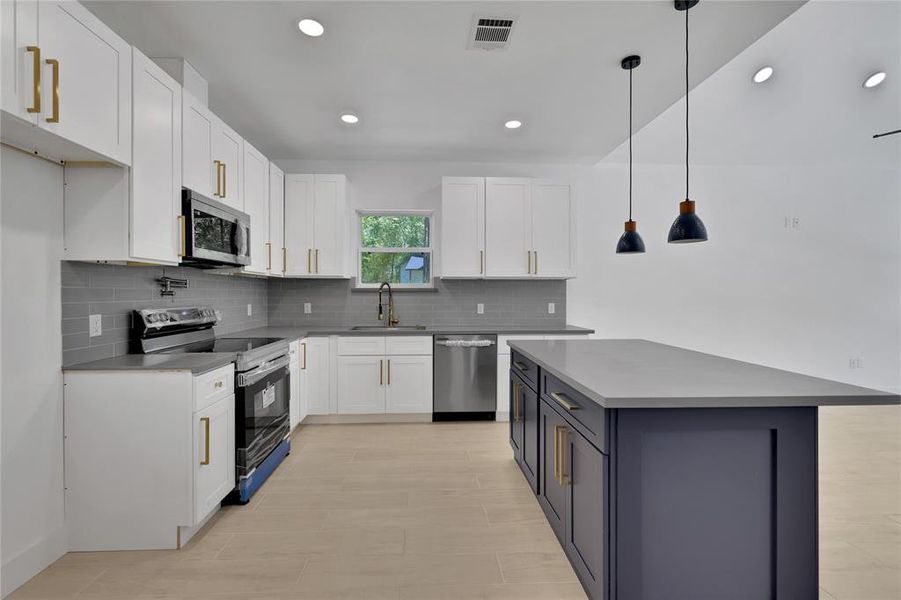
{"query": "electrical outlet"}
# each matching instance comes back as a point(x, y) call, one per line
point(792, 223)
point(307, 308)
point(250, 310)
point(480, 309)
point(551, 308)
point(95, 325)
point(855, 363)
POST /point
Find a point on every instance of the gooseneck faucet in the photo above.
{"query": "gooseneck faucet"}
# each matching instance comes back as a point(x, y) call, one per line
point(392, 320)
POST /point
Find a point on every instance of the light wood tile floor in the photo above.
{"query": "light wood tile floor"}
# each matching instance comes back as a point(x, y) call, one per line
point(422, 511)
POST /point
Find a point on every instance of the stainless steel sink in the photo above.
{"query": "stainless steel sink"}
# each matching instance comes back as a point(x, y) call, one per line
point(388, 329)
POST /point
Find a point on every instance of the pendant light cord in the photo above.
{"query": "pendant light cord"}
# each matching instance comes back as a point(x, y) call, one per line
point(686, 105)
point(630, 143)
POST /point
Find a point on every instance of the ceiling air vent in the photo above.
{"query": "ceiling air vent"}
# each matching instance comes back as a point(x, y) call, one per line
point(491, 33)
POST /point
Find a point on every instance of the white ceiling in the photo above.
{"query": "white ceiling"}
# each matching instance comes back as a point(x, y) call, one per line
point(405, 69)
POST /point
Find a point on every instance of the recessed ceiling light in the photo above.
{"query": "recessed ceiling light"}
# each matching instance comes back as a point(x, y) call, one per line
point(874, 79)
point(349, 118)
point(513, 124)
point(763, 74)
point(311, 27)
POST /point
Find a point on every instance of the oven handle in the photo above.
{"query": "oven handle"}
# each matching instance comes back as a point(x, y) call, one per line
point(254, 375)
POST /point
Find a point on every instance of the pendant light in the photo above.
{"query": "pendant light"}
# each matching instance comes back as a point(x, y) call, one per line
point(630, 242)
point(687, 227)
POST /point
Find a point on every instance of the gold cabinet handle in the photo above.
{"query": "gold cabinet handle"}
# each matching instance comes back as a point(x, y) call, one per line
point(181, 235)
point(317, 260)
point(565, 402)
point(269, 254)
point(536, 261)
point(36, 103)
point(54, 118)
point(218, 165)
point(557, 453)
point(309, 254)
point(560, 454)
point(389, 371)
point(206, 442)
point(381, 371)
point(303, 365)
point(481, 262)
point(514, 416)
point(284, 260)
point(529, 261)
point(224, 180)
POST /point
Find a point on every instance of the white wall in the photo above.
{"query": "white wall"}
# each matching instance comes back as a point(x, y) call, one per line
point(31, 412)
point(799, 146)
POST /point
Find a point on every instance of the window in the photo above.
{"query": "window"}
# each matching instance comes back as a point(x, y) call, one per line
point(395, 247)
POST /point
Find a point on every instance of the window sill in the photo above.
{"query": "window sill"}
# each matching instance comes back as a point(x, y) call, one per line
point(355, 289)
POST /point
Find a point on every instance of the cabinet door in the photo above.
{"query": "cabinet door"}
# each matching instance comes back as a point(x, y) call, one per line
point(19, 30)
point(93, 106)
point(198, 172)
point(299, 194)
point(552, 230)
point(361, 385)
point(552, 494)
point(462, 226)
point(585, 468)
point(228, 149)
point(277, 219)
point(408, 384)
point(329, 225)
point(515, 395)
point(315, 363)
point(214, 455)
point(530, 436)
point(294, 394)
point(156, 162)
point(508, 240)
point(256, 205)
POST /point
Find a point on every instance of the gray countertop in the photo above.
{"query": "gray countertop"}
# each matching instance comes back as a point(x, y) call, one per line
point(643, 374)
point(201, 362)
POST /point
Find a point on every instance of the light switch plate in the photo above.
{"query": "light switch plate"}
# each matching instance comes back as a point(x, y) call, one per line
point(95, 325)
point(480, 309)
point(250, 310)
point(551, 308)
point(307, 308)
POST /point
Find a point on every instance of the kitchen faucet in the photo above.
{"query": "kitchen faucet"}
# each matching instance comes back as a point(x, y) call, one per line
point(391, 321)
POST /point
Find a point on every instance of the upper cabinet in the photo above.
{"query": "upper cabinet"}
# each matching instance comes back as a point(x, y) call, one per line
point(277, 220)
point(68, 75)
point(256, 205)
point(504, 227)
point(316, 224)
point(463, 227)
point(213, 155)
point(228, 165)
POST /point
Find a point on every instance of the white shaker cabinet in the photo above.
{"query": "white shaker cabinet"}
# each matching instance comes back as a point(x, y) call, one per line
point(553, 230)
point(508, 227)
point(214, 454)
point(82, 94)
point(198, 171)
point(316, 225)
point(408, 386)
point(317, 375)
point(361, 385)
point(256, 205)
point(228, 164)
point(132, 215)
point(277, 220)
point(463, 227)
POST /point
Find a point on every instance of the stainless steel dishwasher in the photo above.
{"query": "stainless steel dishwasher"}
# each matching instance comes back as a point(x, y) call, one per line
point(465, 376)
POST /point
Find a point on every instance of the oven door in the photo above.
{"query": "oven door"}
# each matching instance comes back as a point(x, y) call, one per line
point(216, 234)
point(261, 406)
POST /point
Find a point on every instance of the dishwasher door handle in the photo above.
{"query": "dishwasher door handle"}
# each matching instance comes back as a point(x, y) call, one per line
point(464, 343)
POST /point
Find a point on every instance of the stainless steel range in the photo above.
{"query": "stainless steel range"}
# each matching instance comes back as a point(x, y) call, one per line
point(262, 385)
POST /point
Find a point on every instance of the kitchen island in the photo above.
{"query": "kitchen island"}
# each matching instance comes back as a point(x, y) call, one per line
point(668, 473)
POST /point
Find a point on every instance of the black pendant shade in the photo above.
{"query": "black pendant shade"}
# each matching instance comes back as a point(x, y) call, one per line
point(688, 227)
point(630, 241)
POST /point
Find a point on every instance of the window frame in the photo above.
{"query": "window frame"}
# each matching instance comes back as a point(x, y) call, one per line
point(430, 250)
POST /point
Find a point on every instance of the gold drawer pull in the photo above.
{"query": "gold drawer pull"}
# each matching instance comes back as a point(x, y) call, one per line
point(206, 442)
point(563, 401)
point(36, 105)
point(560, 433)
point(521, 366)
point(54, 118)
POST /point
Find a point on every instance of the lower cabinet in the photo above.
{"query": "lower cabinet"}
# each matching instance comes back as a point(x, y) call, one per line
point(214, 454)
point(297, 409)
point(524, 423)
point(361, 385)
point(408, 384)
point(315, 364)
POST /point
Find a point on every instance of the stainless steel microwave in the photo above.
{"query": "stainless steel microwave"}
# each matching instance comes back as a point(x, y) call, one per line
point(214, 234)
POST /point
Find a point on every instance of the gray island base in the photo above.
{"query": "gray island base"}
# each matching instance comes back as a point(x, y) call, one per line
point(671, 474)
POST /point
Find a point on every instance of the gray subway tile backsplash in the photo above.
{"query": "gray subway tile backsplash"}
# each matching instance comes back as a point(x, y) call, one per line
point(114, 291)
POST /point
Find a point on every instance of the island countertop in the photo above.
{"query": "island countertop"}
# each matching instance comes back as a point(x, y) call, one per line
point(634, 373)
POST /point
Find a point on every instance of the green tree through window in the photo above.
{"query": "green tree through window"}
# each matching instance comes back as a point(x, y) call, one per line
point(395, 248)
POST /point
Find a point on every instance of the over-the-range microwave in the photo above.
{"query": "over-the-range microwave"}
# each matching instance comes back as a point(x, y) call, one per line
point(213, 234)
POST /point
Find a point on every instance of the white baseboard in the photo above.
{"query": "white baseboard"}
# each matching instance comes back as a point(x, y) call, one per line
point(32, 561)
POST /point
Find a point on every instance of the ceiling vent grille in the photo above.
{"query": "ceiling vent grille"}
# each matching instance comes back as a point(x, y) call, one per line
point(491, 33)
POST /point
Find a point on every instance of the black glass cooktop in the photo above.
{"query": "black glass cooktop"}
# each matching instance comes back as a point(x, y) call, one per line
point(223, 345)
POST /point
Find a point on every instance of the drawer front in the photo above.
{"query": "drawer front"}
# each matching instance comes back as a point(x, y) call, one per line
point(583, 413)
point(361, 345)
point(213, 386)
point(525, 368)
point(420, 345)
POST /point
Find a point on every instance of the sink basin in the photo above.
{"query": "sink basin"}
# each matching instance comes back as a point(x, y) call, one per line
point(388, 329)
